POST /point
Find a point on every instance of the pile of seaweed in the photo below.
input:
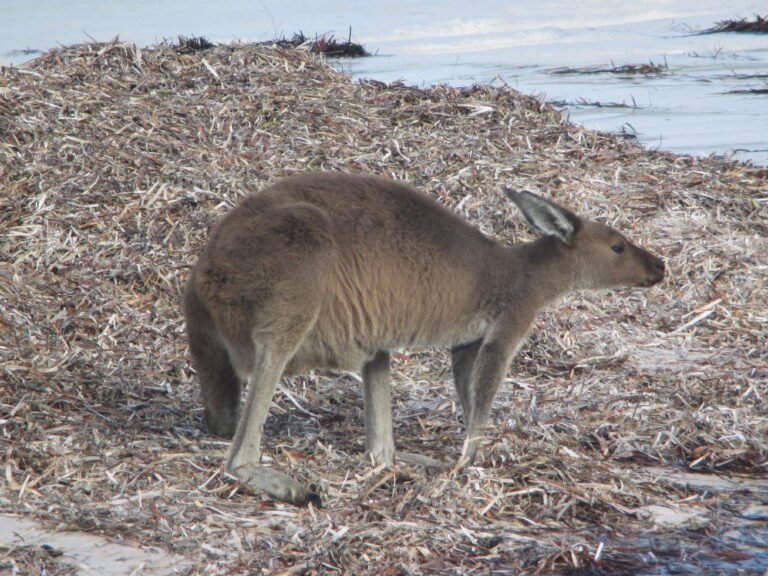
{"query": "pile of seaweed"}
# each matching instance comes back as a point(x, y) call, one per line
point(617, 421)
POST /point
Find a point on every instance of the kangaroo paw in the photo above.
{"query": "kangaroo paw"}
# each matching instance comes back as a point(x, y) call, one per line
point(420, 459)
point(277, 485)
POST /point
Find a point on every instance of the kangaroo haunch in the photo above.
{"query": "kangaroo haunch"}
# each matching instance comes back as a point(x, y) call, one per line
point(334, 271)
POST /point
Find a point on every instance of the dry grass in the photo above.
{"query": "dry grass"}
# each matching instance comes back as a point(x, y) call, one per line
point(113, 163)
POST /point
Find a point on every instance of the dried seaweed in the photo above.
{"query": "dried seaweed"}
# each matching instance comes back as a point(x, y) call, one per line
point(23, 52)
point(650, 69)
point(194, 44)
point(31, 560)
point(115, 160)
point(755, 91)
point(758, 25)
point(327, 45)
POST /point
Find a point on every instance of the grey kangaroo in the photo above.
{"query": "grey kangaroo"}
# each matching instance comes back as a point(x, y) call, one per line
point(334, 271)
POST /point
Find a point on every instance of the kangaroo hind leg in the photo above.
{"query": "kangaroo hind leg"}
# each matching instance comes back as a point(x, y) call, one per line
point(270, 357)
point(268, 275)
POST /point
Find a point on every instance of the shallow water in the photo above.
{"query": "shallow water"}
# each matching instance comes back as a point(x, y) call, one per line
point(685, 110)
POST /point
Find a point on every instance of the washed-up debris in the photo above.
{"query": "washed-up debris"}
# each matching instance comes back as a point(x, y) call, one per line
point(748, 91)
point(649, 69)
point(745, 25)
point(327, 45)
point(193, 44)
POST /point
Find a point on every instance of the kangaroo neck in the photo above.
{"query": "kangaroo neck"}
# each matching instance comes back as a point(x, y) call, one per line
point(548, 270)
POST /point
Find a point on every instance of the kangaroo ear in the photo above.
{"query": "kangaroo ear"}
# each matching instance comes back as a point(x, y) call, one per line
point(544, 216)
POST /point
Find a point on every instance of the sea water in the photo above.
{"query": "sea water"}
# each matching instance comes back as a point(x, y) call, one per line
point(700, 104)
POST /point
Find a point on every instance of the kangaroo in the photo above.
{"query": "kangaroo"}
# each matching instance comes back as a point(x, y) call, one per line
point(334, 271)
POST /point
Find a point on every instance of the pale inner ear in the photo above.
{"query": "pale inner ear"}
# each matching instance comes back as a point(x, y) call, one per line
point(550, 220)
point(544, 216)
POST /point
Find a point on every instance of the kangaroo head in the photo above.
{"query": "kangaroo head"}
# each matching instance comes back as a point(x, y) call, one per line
point(594, 255)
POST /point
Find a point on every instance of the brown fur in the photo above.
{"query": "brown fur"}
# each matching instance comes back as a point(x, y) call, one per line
point(333, 270)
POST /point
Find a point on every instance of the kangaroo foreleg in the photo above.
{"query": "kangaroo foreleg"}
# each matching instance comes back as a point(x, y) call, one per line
point(244, 455)
point(490, 366)
point(379, 438)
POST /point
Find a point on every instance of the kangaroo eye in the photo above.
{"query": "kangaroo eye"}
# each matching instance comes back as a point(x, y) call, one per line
point(618, 248)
